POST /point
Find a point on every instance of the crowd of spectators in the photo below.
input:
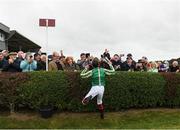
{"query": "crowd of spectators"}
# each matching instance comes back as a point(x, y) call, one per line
point(25, 62)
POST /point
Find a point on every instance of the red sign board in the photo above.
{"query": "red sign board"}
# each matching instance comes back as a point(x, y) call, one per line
point(51, 22)
point(47, 22)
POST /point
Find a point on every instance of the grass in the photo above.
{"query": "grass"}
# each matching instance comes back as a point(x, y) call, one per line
point(144, 118)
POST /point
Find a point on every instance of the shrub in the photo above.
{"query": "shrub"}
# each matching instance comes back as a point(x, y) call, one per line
point(65, 90)
point(172, 95)
point(44, 88)
point(123, 90)
point(8, 86)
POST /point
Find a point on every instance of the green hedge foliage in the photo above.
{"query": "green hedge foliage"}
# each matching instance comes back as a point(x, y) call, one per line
point(65, 90)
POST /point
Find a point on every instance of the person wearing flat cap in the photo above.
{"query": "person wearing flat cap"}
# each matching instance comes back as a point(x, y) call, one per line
point(10, 65)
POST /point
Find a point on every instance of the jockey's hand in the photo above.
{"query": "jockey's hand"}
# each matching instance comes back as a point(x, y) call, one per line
point(108, 61)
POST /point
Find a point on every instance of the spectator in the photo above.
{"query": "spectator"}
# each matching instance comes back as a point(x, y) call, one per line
point(19, 58)
point(153, 67)
point(49, 58)
point(131, 57)
point(81, 61)
point(140, 66)
point(10, 65)
point(174, 67)
point(56, 64)
point(166, 65)
point(28, 64)
point(161, 67)
point(40, 64)
point(128, 65)
point(70, 65)
point(62, 56)
point(5, 54)
point(2, 61)
point(145, 63)
point(88, 61)
point(39, 52)
point(62, 59)
point(43, 62)
point(116, 62)
point(61, 53)
point(37, 57)
point(106, 54)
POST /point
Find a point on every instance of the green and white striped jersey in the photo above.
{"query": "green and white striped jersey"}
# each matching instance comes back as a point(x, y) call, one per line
point(98, 75)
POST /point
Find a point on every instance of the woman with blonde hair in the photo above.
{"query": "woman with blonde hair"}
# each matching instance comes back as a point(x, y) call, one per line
point(70, 65)
point(153, 67)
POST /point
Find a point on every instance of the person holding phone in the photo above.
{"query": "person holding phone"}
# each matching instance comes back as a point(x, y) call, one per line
point(10, 65)
point(28, 64)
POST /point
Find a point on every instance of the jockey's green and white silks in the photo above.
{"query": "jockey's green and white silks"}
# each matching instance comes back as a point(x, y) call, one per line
point(98, 75)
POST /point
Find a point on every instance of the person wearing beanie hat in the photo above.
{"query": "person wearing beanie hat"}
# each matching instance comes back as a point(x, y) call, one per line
point(98, 83)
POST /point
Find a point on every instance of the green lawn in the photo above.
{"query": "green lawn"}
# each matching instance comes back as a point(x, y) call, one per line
point(146, 118)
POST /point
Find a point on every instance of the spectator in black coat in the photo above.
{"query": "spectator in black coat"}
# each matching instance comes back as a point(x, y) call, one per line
point(82, 62)
point(20, 58)
point(128, 65)
point(106, 54)
point(130, 56)
point(43, 62)
point(174, 67)
point(140, 66)
point(10, 65)
point(41, 65)
point(116, 62)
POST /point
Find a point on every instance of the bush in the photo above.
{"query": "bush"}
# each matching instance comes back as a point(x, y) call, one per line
point(44, 88)
point(172, 95)
point(65, 90)
point(135, 90)
point(8, 89)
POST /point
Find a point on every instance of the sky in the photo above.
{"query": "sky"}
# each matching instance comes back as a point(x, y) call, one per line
point(148, 28)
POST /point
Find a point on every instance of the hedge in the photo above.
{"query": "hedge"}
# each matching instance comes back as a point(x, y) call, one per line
point(65, 90)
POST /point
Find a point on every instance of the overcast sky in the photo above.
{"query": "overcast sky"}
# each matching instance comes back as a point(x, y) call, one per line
point(142, 27)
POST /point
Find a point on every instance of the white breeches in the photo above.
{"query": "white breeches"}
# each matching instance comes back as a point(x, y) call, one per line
point(96, 91)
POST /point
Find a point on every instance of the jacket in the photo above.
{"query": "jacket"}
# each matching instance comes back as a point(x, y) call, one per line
point(26, 67)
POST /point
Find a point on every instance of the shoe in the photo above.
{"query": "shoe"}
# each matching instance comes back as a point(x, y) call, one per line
point(85, 101)
point(102, 115)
